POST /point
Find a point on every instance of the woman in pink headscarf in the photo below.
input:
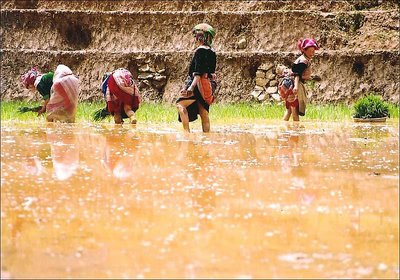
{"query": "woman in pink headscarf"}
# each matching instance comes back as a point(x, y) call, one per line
point(59, 91)
point(122, 95)
point(64, 98)
point(301, 70)
point(34, 80)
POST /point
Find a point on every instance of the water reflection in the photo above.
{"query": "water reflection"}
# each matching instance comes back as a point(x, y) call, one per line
point(119, 153)
point(276, 200)
point(64, 153)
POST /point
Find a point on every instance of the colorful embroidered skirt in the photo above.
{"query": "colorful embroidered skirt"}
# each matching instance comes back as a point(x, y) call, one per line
point(117, 98)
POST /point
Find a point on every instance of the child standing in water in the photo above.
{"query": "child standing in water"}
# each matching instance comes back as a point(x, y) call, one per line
point(59, 90)
point(301, 70)
point(196, 97)
point(285, 88)
point(122, 95)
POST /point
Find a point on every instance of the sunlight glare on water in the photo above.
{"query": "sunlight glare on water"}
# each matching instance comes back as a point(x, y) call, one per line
point(245, 201)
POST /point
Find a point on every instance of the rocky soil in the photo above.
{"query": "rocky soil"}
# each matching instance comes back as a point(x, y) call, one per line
point(359, 45)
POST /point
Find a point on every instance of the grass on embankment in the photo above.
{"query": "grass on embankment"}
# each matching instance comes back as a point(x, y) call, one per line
point(219, 113)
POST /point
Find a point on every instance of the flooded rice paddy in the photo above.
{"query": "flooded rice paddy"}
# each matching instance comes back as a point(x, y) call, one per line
point(245, 201)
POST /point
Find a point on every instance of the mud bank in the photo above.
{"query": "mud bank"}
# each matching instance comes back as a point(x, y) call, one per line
point(355, 74)
point(359, 44)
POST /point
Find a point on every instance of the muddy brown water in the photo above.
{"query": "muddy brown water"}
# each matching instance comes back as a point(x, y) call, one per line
point(245, 201)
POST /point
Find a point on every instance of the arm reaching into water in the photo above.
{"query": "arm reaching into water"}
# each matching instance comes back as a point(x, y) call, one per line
point(43, 110)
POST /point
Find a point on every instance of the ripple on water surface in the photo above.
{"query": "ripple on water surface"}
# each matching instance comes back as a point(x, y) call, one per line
point(245, 201)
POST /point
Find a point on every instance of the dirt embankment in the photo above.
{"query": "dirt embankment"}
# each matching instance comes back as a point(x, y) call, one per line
point(152, 38)
point(161, 31)
point(204, 5)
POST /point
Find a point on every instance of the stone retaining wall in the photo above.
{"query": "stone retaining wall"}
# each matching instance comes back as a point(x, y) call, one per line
point(359, 45)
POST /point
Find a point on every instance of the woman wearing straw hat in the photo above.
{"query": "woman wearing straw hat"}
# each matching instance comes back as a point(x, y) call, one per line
point(198, 93)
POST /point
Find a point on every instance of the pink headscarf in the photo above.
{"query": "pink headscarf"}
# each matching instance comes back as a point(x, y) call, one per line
point(124, 80)
point(303, 44)
point(29, 77)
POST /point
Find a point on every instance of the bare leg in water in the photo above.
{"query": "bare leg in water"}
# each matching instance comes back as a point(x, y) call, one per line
point(205, 120)
point(295, 112)
point(288, 112)
point(130, 113)
point(117, 118)
point(183, 113)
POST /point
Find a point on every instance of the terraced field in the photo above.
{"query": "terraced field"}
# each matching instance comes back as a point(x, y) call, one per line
point(359, 44)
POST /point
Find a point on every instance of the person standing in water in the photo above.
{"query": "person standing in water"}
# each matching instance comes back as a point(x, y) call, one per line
point(301, 70)
point(198, 93)
point(59, 90)
point(291, 86)
point(285, 88)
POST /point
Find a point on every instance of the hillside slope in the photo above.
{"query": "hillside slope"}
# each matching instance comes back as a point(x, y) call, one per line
point(359, 44)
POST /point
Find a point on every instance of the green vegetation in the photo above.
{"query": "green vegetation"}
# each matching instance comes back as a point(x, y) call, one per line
point(350, 22)
point(371, 106)
point(311, 84)
point(219, 113)
point(382, 36)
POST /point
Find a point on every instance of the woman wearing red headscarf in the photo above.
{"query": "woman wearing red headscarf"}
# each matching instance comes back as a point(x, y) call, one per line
point(293, 91)
point(302, 71)
point(34, 80)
